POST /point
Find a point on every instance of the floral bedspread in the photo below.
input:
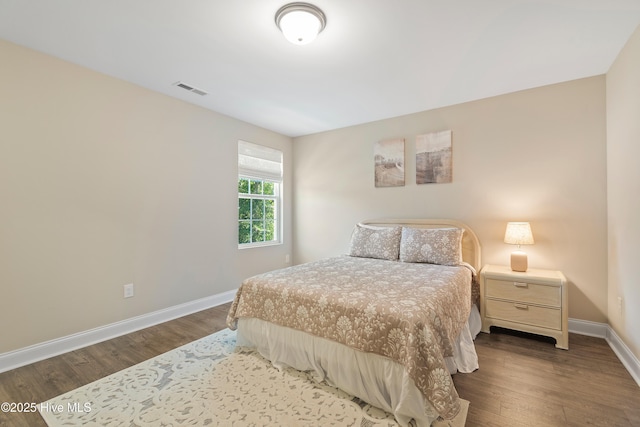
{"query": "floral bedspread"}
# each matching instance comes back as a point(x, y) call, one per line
point(408, 312)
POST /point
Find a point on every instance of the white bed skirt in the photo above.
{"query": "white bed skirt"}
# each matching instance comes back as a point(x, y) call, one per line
point(375, 379)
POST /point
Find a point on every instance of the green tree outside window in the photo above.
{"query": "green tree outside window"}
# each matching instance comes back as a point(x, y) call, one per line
point(257, 210)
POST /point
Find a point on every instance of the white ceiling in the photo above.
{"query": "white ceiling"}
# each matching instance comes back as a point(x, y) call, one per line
point(375, 59)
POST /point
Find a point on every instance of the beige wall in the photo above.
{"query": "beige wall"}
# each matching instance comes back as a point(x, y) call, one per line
point(536, 155)
point(623, 179)
point(104, 183)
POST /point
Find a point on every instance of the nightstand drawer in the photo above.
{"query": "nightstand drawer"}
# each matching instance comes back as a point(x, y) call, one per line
point(544, 317)
point(524, 292)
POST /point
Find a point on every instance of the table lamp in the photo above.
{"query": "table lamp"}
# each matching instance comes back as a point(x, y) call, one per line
point(518, 233)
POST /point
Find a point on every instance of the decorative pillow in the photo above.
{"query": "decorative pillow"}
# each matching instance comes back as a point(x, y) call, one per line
point(375, 242)
point(431, 245)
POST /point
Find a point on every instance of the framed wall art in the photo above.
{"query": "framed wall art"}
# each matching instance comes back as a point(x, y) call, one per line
point(433, 158)
point(389, 163)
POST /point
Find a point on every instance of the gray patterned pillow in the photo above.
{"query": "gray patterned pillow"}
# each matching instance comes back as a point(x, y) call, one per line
point(375, 242)
point(431, 245)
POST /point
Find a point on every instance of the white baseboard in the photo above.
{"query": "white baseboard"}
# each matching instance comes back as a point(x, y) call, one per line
point(591, 329)
point(603, 330)
point(24, 356)
point(628, 359)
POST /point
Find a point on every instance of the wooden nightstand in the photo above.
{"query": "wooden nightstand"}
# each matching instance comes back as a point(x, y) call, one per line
point(534, 301)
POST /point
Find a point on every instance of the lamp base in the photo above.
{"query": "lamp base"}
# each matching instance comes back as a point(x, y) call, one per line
point(519, 261)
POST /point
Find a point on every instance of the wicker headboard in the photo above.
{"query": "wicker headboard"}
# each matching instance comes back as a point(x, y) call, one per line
point(471, 251)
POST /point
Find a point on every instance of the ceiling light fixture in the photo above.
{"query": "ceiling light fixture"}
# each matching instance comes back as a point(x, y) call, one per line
point(300, 22)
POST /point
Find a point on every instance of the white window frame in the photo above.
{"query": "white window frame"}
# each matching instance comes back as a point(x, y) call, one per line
point(260, 163)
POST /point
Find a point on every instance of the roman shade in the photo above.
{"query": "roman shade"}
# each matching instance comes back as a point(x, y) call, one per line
point(258, 161)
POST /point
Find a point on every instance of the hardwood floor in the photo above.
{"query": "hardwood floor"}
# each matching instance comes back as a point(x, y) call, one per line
point(43, 380)
point(521, 381)
point(524, 380)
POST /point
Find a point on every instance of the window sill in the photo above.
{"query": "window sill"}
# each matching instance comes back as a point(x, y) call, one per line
point(258, 245)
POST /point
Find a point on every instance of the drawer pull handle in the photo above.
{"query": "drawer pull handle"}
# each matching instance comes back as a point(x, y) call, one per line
point(520, 285)
point(521, 306)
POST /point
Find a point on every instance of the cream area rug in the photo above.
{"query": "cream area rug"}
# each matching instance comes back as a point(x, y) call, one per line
point(209, 383)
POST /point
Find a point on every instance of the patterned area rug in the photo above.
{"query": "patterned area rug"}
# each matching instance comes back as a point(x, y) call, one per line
point(208, 383)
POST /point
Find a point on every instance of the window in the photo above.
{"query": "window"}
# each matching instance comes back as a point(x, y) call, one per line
point(259, 189)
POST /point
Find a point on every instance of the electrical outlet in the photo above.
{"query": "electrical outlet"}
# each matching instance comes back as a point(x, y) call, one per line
point(620, 304)
point(287, 258)
point(128, 290)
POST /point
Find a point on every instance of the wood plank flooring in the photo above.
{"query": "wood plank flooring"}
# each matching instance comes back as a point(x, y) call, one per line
point(522, 381)
point(43, 380)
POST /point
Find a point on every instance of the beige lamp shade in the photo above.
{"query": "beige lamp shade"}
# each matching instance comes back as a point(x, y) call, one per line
point(519, 233)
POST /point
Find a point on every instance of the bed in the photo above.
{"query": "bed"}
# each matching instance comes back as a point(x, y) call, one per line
point(389, 322)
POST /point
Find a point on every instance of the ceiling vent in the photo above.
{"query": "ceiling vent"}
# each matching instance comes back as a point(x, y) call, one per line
point(190, 88)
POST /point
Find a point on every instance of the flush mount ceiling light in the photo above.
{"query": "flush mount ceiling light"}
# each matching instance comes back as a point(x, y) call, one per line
point(300, 22)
